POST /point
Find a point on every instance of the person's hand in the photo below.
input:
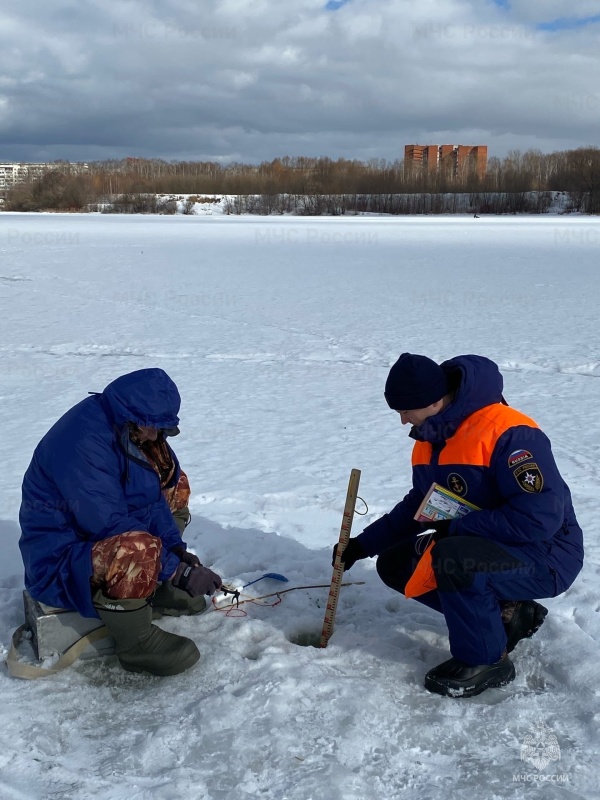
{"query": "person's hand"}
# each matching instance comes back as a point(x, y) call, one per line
point(185, 557)
point(351, 554)
point(440, 528)
point(196, 580)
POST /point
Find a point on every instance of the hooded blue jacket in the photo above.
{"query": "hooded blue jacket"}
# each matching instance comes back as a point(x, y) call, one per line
point(87, 481)
point(473, 444)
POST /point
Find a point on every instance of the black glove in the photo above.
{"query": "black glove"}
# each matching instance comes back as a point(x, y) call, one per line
point(351, 554)
point(196, 580)
point(185, 557)
point(440, 528)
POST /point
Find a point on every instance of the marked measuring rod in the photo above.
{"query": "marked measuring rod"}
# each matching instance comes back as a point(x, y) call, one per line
point(338, 569)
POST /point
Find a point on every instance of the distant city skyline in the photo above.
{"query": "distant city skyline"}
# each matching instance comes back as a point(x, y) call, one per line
point(244, 81)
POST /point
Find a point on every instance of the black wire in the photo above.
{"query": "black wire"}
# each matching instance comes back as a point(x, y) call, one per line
point(362, 513)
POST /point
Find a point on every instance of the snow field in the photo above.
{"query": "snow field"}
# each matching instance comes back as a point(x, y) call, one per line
point(279, 333)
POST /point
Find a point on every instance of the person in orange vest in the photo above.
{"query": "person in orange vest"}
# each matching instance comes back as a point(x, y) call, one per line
point(490, 565)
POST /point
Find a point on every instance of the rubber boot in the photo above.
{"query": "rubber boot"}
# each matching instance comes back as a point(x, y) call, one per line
point(454, 678)
point(522, 618)
point(174, 602)
point(141, 646)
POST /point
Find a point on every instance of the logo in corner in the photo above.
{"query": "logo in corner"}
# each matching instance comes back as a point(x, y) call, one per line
point(529, 477)
point(517, 457)
point(540, 746)
point(457, 484)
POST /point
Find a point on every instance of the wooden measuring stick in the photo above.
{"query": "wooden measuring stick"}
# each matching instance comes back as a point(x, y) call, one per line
point(338, 569)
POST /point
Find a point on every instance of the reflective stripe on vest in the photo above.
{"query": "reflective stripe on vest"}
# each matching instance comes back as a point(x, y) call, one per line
point(475, 440)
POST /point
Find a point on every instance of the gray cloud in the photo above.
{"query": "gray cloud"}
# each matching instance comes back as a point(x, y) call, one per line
point(254, 79)
point(548, 10)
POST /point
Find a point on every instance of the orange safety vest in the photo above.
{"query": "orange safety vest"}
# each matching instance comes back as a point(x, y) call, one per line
point(473, 444)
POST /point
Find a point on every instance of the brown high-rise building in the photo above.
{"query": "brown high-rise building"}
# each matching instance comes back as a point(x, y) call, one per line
point(455, 160)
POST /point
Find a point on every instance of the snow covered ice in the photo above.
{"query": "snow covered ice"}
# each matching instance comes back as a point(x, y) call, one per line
point(279, 333)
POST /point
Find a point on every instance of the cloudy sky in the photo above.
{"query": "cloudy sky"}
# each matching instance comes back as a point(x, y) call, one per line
point(250, 80)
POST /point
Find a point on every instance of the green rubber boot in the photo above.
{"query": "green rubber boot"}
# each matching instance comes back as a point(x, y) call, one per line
point(141, 646)
point(174, 602)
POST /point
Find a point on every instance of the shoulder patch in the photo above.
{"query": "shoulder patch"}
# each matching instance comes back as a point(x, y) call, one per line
point(518, 457)
point(529, 477)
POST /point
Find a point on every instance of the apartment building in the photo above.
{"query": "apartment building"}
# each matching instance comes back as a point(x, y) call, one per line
point(11, 174)
point(454, 160)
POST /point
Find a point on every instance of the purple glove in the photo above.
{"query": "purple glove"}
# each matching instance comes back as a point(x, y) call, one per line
point(196, 580)
point(185, 557)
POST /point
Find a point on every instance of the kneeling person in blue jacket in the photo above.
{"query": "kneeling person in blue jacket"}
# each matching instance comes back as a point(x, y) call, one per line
point(104, 505)
point(490, 565)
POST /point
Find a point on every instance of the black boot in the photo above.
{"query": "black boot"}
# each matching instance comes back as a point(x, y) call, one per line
point(522, 618)
point(454, 678)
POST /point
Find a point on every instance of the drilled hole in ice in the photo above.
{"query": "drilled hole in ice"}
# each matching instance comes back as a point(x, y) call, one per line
point(305, 638)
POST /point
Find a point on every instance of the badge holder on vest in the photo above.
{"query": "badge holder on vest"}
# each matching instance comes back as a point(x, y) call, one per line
point(56, 631)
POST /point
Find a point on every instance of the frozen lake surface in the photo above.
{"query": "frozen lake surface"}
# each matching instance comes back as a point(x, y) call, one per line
point(279, 333)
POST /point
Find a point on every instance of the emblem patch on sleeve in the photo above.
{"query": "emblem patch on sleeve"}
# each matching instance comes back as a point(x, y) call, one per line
point(529, 477)
point(457, 484)
point(518, 457)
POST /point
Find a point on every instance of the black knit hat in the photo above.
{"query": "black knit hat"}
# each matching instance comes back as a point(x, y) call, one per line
point(415, 382)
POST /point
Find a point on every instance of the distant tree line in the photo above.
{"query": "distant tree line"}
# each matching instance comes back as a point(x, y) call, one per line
point(391, 203)
point(319, 185)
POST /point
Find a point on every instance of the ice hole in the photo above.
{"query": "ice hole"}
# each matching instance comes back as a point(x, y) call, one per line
point(305, 638)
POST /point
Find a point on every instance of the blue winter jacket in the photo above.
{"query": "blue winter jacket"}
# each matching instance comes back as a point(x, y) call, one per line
point(474, 449)
point(87, 481)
